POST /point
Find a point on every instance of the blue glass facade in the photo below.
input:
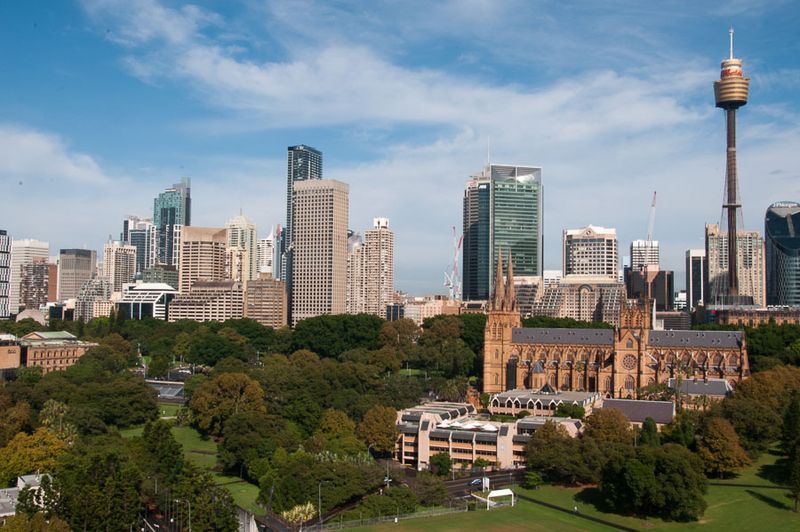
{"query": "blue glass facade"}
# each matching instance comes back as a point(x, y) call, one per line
point(782, 239)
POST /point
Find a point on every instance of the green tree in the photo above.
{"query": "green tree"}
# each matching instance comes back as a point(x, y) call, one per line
point(378, 429)
point(182, 347)
point(429, 489)
point(215, 401)
point(679, 475)
point(166, 452)
point(570, 410)
point(250, 436)
point(629, 486)
point(533, 479)
point(14, 418)
point(554, 454)
point(26, 454)
point(790, 434)
point(719, 448)
point(212, 506)
point(441, 464)
point(649, 435)
point(37, 522)
point(608, 425)
point(680, 431)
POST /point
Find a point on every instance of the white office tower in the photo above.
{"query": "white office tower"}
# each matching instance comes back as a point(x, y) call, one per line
point(242, 248)
point(23, 252)
point(265, 251)
point(591, 252)
point(319, 241)
point(141, 233)
point(379, 267)
point(356, 298)
point(119, 264)
point(644, 253)
point(750, 265)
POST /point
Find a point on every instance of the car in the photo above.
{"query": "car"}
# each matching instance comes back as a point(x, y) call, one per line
point(476, 482)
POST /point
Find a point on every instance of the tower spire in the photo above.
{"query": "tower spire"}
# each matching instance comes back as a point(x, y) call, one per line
point(730, 32)
point(511, 298)
point(499, 289)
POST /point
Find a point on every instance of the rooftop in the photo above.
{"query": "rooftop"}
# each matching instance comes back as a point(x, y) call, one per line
point(720, 339)
point(545, 395)
point(637, 411)
point(529, 335)
point(713, 387)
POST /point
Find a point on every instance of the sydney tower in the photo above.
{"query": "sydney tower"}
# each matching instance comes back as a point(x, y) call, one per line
point(730, 93)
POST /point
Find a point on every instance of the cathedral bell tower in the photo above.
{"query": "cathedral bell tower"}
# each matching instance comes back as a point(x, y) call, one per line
point(503, 316)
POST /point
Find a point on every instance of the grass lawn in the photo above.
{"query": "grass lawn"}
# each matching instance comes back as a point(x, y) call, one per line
point(524, 516)
point(203, 453)
point(168, 409)
point(729, 508)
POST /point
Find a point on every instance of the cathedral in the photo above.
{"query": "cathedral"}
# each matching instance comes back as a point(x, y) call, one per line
point(614, 362)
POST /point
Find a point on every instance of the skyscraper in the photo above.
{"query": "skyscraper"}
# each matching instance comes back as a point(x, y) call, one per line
point(5, 267)
point(782, 235)
point(591, 251)
point(355, 298)
point(23, 251)
point(119, 264)
point(202, 256)
point(379, 267)
point(242, 244)
point(696, 281)
point(171, 208)
point(644, 253)
point(749, 267)
point(319, 260)
point(303, 163)
point(502, 211)
point(75, 268)
point(266, 254)
point(141, 233)
point(34, 284)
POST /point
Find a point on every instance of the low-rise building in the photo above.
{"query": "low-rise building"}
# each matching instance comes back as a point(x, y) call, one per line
point(637, 411)
point(455, 429)
point(52, 350)
point(541, 402)
point(10, 356)
point(146, 300)
point(209, 301)
point(10, 496)
point(701, 393)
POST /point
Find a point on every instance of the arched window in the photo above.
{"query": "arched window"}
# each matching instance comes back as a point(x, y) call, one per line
point(566, 383)
point(496, 380)
point(607, 384)
point(553, 381)
point(629, 345)
point(651, 381)
point(496, 355)
point(630, 384)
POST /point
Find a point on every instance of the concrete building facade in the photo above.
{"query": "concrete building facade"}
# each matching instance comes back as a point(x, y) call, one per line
point(696, 282)
point(209, 301)
point(265, 301)
point(119, 264)
point(319, 256)
point(242, 245)
point(591, 252)
point(75, 268)
point(34, 284)
point(23, 251)
point(5, 273)
point(203, 255)
point(750, 265)
point(265, 251)
point(379, 267)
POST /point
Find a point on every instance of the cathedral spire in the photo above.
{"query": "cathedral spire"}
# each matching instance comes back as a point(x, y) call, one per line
point(510, 296)
point(499, 289)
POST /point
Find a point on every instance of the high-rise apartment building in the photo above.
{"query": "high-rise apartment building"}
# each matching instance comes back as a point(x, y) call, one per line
point(782, 236)
point(265, 301)
point(34, 284)
point(94, 299)
point(319, 261)
point(590, 251)
point(696, 282)
point(202, 255)
point(119, 264)
point(75, 268)
point(750, 265)
point(355, 296)
point(265, 254)
point(242, 248)
point(209, 301)
point(141, 233)
point(5, 271)
point(378, 267)
point(644, 253)
point(502, 211)
point(303, 163)
point(23, 251)
point(171, 208)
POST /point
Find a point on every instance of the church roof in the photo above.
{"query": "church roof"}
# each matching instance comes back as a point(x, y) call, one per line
point(637, 410)
point(549, 335)
point(719, 339)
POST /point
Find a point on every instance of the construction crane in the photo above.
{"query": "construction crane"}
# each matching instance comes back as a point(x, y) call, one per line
point(451, 279)
point(651, 224)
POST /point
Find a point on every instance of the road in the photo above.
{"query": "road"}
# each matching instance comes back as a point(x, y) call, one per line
point(461, 487)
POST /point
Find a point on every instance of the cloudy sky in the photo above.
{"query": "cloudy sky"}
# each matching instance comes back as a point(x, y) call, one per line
point(103, 103)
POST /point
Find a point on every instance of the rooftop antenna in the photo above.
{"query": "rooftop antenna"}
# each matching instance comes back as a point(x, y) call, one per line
point(488, 150)
point(730, 31)
point(652, 221)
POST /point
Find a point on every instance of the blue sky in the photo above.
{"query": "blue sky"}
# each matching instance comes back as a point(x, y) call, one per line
point(103, 103)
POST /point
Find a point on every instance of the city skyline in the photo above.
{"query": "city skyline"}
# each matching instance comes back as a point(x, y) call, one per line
point(403, 128)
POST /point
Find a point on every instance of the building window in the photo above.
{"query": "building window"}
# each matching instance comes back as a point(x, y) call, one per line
point(630, 384)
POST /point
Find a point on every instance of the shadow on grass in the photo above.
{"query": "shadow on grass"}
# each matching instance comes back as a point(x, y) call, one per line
point(593, 497)
point(775, 503)
point(777, 472)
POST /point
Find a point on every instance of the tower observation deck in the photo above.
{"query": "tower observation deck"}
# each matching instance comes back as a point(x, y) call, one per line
point(730, 93)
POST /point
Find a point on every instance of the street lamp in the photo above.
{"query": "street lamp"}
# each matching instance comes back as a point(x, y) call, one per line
point(188, 502)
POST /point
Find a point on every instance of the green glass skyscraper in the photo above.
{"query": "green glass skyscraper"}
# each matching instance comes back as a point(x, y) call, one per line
point(502, 213)
point(172, 207)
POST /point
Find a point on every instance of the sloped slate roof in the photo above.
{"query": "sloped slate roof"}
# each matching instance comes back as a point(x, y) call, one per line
point(637, 411)
point(708, 339)
point(548, 335)
point(715, 387)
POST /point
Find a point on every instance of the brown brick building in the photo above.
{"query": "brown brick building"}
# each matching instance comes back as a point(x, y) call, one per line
point(614, 362)
point(52, 350)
